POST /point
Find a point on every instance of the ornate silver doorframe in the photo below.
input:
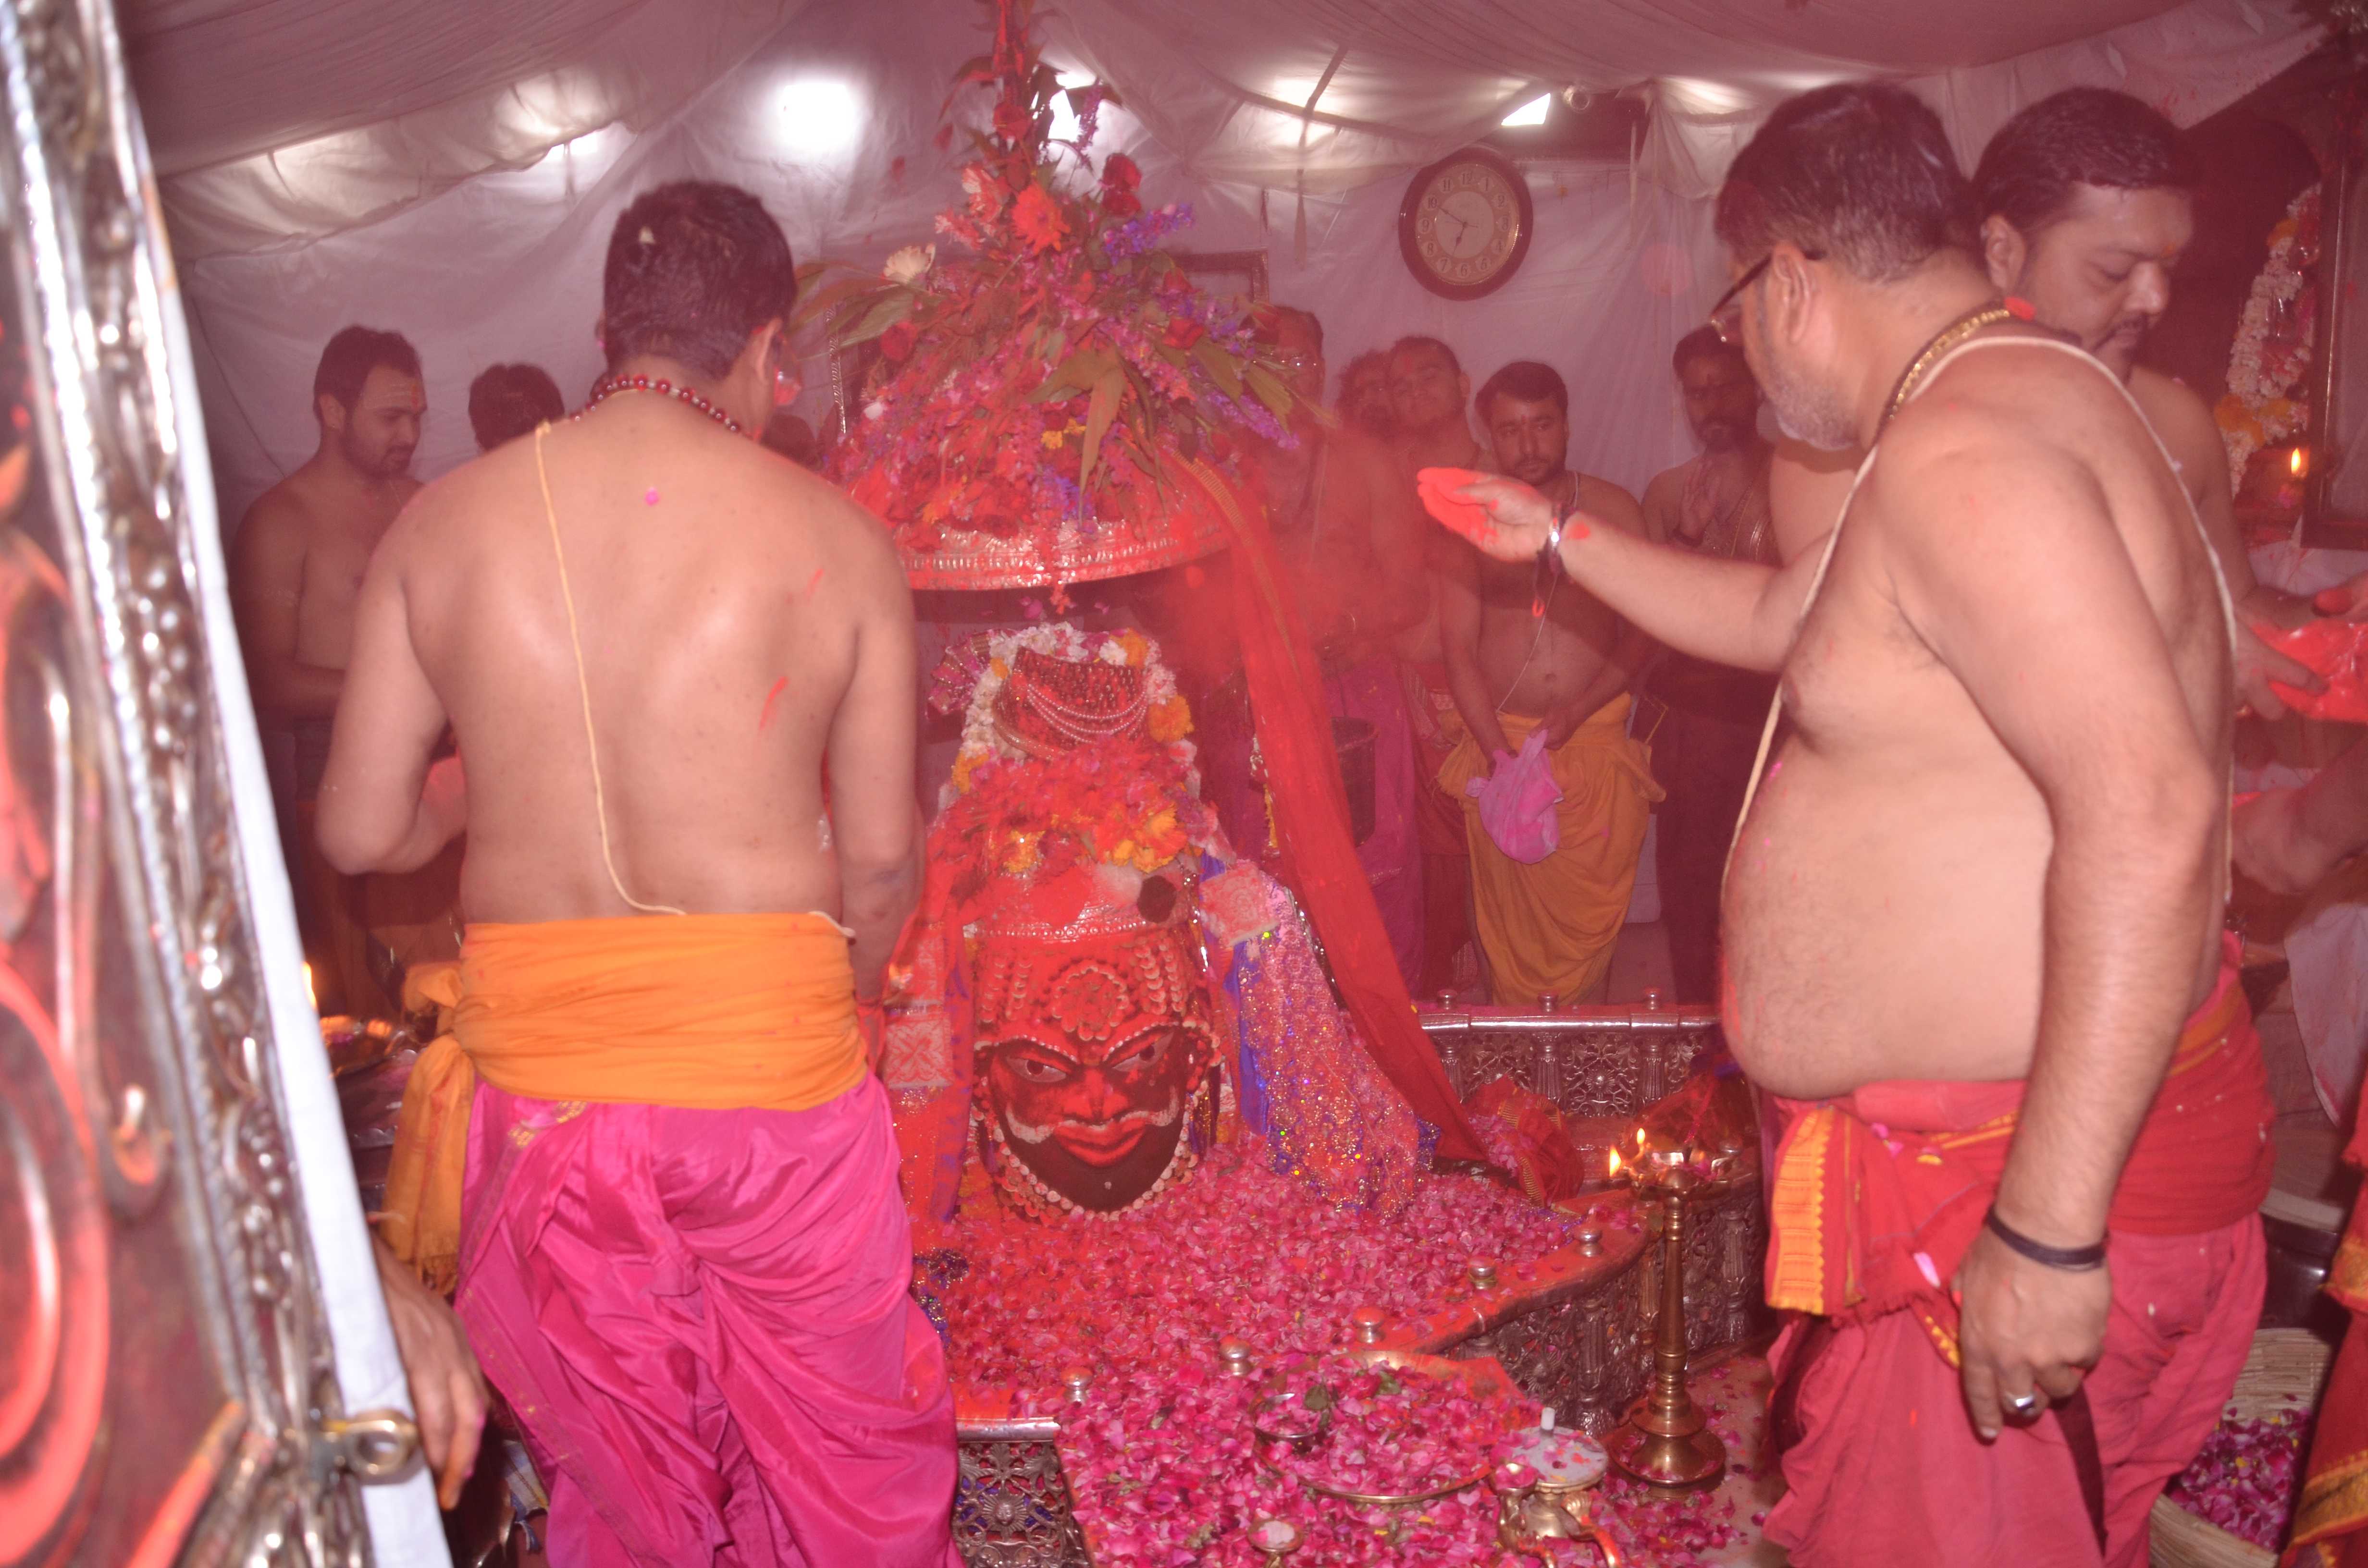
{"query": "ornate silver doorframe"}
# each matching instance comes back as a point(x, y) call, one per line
point(188, 1306)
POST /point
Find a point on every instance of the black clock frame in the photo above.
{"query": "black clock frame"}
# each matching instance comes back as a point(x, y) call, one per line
point(1411, 249)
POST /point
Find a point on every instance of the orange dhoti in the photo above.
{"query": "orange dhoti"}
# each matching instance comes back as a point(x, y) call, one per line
point(1876, 1196)
point(682, 1255)
point(1548, 930)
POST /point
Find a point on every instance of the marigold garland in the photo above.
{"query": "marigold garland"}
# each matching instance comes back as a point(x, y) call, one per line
point(2274, 341)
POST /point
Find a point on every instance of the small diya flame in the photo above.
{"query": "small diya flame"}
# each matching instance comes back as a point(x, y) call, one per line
point(2298, 462)
point(1615, 1161)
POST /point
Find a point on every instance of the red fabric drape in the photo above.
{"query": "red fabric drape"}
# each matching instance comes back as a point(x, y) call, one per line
point(1311, 813)
point(2333, 1510)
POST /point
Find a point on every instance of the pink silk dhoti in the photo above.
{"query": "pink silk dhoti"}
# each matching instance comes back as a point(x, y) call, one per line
point(701, 1320)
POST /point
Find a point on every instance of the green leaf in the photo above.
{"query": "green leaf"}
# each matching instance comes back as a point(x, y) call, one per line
point(1109, 387)
point(880, 318)
point(1390, 1384)
point(822, 300)
point(1221, 367)
point(1269, 389)
point(1320, 1398)
point(1075, 374)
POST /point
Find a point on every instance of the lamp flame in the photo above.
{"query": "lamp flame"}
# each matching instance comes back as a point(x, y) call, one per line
point(1615, 1161)
point(2298, 462)
point(310, 995)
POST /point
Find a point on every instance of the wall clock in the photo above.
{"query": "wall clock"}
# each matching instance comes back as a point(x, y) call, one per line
point(1465, 223)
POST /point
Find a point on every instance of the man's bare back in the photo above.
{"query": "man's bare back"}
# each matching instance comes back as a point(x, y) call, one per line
point(1889, 892)
point(739, 619)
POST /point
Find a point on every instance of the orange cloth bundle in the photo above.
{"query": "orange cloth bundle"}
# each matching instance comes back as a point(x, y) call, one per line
point(702, 1012)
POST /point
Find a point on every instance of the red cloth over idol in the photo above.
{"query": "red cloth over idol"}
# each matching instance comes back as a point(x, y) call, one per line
point(1311, 811)
point(1875, 1197)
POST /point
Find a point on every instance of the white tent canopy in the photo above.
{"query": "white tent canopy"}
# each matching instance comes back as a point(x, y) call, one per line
point(450, 170)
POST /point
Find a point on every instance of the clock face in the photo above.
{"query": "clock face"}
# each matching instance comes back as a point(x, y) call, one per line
point(1465, 223)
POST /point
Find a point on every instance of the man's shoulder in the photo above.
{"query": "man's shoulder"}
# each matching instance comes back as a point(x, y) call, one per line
point(1608, 501)
point(2178, 414)
point(283, 517)
point(2027, 398)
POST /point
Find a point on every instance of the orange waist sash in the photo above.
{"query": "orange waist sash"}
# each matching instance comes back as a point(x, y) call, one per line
point(706, 1012)
point(1877, 1195)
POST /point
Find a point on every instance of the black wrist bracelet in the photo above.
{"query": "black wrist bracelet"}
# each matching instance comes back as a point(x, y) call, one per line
point(2078, 1260)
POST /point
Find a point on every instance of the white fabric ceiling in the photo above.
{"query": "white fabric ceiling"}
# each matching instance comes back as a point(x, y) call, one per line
point(328, 161)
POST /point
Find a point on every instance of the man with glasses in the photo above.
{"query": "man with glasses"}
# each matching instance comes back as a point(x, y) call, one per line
point(1715, 503)
point(1972, 916)
point(1544, 668)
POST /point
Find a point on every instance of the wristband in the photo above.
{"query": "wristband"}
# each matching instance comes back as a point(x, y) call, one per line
point(2077, 1260)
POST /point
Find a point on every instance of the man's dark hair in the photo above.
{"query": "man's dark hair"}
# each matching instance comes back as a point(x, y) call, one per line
point(1527, 381)
point(1704, 343)
point(1370, 360)
point(1417, 344)
point(349, 359)
point(1270, 328)
point(2081, 136)
point(1861, 174)
point(508, 401)
point(694, 267)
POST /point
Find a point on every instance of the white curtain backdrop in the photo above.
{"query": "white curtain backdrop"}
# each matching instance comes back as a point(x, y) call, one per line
point(451, 171)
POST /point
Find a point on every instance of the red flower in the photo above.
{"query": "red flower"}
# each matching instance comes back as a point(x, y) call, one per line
point(1038, 218)
point(1182, 332)
point(1010, 120)
point(1120, 180)
point(896, 343)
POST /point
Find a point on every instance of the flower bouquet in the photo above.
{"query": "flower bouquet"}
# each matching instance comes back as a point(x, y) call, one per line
point(1045, 404)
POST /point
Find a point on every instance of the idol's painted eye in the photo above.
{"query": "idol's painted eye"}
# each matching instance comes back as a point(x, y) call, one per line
point(1141, 1053)
point(1034, 1063)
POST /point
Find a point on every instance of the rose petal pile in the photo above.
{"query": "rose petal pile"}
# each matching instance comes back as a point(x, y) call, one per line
point(1393, 1435)
point(1160, 1458)
point(2245, 1476)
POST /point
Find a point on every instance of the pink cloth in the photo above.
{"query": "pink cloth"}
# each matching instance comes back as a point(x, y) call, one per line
point(1392, 856)
point(1517, 801)
point(701, 1318)
point(1890, 1471)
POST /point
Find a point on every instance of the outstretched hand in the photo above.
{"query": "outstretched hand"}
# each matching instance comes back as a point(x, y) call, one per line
point(1505, 519)
point(2024, 1328)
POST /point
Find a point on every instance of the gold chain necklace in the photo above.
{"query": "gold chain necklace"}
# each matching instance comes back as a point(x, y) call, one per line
point(1948, 337)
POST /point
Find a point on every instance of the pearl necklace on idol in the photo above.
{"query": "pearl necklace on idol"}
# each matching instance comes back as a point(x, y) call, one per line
point(611, 385)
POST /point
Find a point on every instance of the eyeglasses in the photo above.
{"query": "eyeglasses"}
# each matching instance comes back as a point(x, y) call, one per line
point(1726, 316)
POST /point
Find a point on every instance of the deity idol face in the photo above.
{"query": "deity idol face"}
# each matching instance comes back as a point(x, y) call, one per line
point(1092, 1056)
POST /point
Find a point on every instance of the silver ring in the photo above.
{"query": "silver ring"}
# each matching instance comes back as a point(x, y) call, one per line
point(2024, 1404)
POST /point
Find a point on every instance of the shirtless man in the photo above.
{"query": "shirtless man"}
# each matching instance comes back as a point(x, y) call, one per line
point(1980, 888)
point(680, 673)
point(2088, 203)
point(296, 567)
point(1345, 519)
point(1429, 393)
point(1703, 750)
point(1365, 394)
point(1557, 680)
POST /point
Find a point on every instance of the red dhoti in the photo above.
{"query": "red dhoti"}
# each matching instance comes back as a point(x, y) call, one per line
point(1876, 1197)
